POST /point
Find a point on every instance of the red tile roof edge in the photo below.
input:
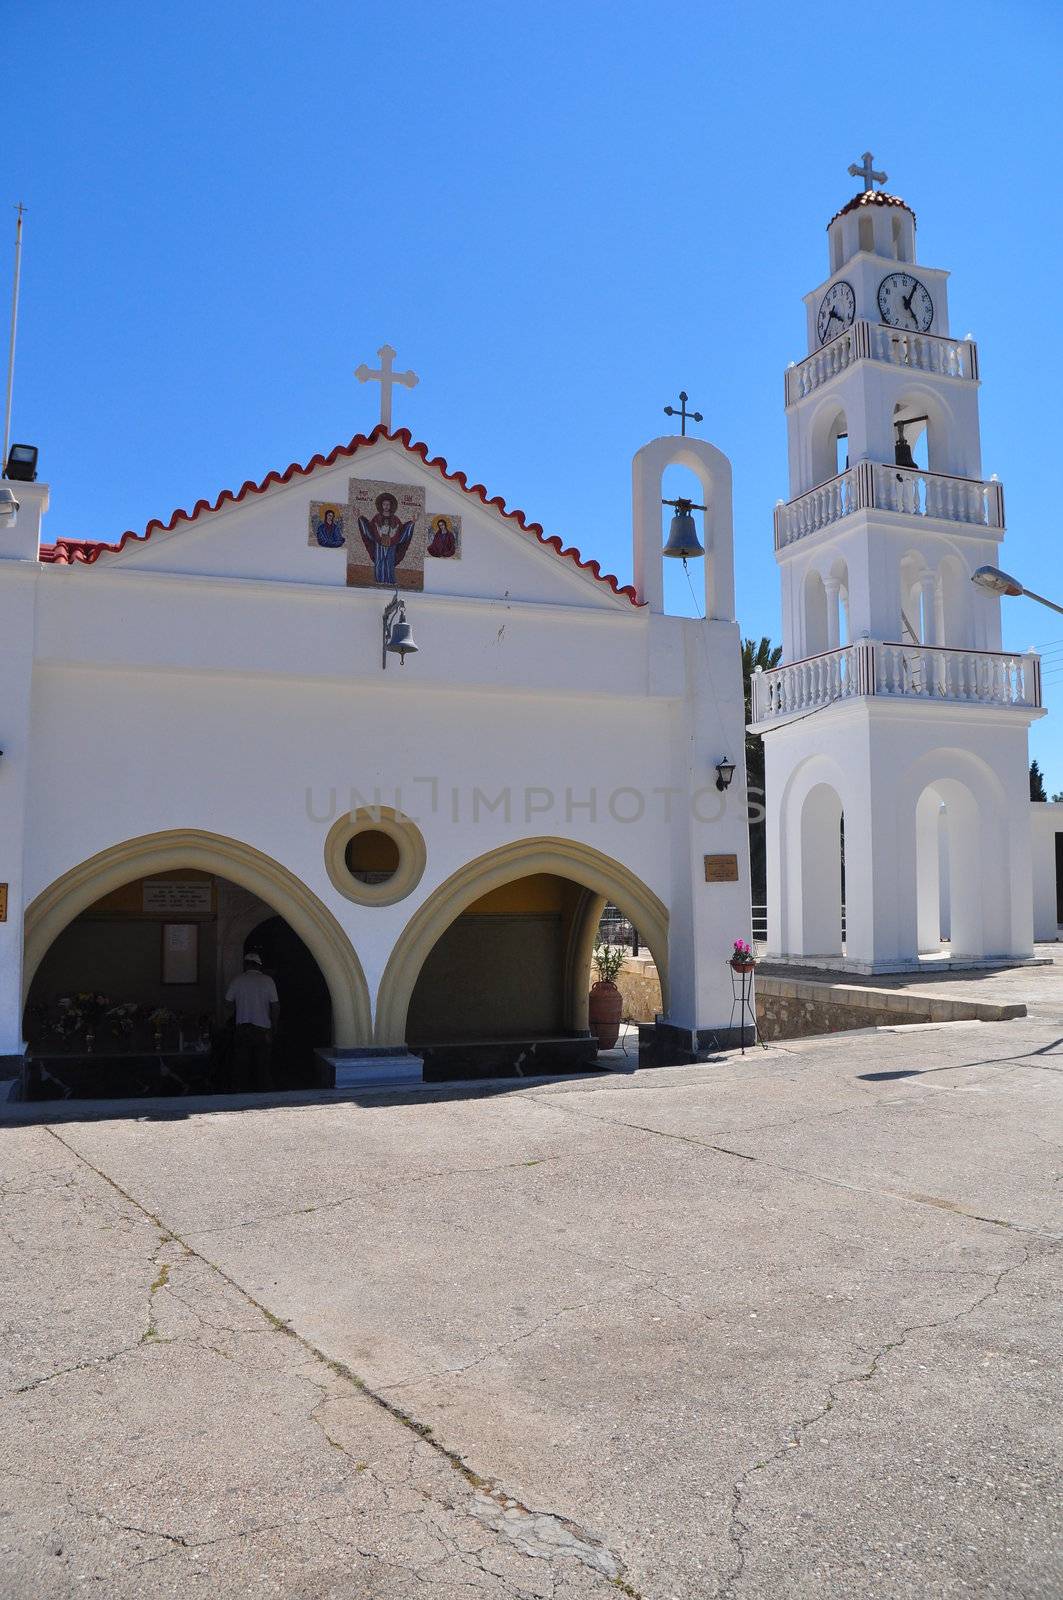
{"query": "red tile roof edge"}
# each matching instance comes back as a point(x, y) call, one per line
point(871, 197)
point(70, 552)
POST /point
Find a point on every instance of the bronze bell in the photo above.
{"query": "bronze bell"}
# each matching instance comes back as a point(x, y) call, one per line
point(400, 643)
point(902, 450)
point(683, 541)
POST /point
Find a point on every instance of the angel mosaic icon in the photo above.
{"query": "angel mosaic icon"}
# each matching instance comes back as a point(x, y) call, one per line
point(444, 537)
point(326, 525)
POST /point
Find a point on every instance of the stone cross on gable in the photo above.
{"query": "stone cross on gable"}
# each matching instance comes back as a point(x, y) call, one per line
point(867, 171)
point(387, 378)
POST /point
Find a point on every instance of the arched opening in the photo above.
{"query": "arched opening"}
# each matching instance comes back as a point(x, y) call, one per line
point(830, 445)
point(822, 898)
point(918, 611)
point(266, 886)
point(305, 1020)
point(839, 626)
point(131, 995)
point(954, 602)
point(545, 897)
point(901, 237)
point(911, 435)
point(502, 969)
point(950, 871)
point(867, 232)
point(681, 592)
point(817, 629)
point(924, 428)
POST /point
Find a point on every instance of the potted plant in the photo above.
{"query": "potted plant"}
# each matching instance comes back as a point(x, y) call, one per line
point(743, 957)
point(606, 1001)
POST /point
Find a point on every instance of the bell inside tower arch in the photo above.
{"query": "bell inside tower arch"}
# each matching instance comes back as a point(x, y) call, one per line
point(682, 536)
point(910, 439)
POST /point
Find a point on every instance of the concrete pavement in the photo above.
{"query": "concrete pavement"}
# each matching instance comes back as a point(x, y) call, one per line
point(781, 1325)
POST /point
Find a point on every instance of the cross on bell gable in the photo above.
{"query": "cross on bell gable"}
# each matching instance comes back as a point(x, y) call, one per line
point(387, 379)
point(866, 170)
point(683, 413)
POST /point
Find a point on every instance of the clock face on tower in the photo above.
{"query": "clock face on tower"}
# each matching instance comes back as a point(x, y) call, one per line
point(836, 311)
point(904, 302)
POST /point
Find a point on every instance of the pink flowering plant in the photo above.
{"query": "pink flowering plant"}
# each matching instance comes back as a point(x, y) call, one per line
point(743, 954)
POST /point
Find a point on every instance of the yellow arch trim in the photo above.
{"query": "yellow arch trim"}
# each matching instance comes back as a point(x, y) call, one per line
point(191, 848)
point(563, 857)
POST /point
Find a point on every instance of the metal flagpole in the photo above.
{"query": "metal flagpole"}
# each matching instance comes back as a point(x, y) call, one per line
point(20, 208)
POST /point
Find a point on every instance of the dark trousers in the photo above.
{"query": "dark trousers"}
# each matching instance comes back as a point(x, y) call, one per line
point(251, 1057)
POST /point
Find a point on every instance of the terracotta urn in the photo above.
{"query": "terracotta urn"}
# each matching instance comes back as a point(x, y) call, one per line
point(606, 1004)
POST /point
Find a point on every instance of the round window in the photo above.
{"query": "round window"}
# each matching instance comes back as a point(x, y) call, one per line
point(375, 856)
point(372, 856)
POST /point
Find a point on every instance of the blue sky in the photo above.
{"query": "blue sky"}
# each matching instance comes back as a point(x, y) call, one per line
point(560, 215)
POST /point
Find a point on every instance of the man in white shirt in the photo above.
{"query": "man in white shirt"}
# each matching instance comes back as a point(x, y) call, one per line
point(254, 996)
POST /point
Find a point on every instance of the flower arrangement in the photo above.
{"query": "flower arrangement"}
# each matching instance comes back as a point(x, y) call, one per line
point(743, 957)
point(68, 1018)
point(122, 1016)
point(159, 1019)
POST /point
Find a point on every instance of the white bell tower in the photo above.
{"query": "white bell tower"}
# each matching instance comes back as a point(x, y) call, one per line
point(895, 720)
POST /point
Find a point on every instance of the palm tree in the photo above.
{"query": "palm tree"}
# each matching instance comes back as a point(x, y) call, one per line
point(764, 655)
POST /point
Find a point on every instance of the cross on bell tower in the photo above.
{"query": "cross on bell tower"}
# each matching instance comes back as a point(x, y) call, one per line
point(866, 170)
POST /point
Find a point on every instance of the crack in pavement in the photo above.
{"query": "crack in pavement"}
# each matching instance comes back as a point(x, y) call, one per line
point(739, 1529)
point(810, 1176)
point(569, 1541)
point(361, 1195)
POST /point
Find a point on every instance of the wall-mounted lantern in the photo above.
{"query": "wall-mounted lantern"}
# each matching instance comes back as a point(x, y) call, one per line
point(725, 771)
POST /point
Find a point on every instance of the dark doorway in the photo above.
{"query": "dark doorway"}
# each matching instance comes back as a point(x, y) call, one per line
point(1059, 877)
point(305, 1021)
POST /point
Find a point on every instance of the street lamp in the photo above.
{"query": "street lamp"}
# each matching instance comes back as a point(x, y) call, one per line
point(997, 582)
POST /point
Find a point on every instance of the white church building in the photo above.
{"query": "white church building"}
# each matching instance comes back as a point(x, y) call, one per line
point(366, 720)
point(208, 744)
point(896, 717)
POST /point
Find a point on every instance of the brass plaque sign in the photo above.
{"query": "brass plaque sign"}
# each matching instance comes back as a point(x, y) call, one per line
point(3, 902)
point(721, 869)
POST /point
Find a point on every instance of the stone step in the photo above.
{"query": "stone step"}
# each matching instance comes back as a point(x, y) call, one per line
point(372, 1072)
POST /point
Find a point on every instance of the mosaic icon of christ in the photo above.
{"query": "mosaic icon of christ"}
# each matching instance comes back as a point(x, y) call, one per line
point(386, 538)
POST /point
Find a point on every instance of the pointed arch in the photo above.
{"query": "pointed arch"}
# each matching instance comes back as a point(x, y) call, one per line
point(191, 848)
point(565, 858)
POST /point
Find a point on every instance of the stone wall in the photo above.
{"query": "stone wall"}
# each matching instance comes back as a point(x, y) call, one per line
point(641, 988)
point(789, 1008)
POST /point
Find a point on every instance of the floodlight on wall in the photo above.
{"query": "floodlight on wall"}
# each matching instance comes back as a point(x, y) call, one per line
point(8, 508)
point(398, 635)
point(725, 771)
point(1001, 583)
point(22, 463)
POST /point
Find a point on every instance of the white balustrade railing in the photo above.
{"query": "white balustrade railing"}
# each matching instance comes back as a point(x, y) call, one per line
point(807, 685)
point(873, 341)
point(935, 494)
point(826, 503)
point(874, 485)
point(924, 672)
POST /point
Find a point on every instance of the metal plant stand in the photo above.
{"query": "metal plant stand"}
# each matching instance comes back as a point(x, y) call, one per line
point(742, 1002)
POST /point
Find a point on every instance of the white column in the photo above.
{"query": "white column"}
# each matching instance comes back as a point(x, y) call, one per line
point(19, 575)
point(928, 591)
point(928, 871)
point(705, 918)
point(833, 631)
